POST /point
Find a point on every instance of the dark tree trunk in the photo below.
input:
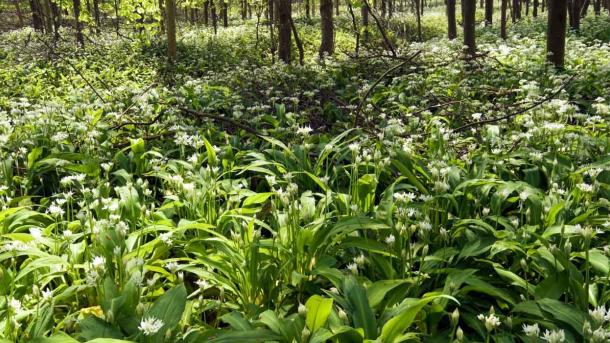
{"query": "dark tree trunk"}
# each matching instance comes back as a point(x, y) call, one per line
point(206, 13)
point(96, 15)
point(597, 7)
point(574, 13)
point(284, 10)
point(271, 10)
point(307, 9)
point(47, 17)
point(418, 15)
point(535, 8)
point(384, 5)
point(556, 32)
point(503, 8)
point(390, 8)
point(214, 16)
point(327, 45)
point(170, 16)
point(79, 25)
point(56, 19)
point(516, 10)
point(468, 12)
point(36, 15)
point(489, 11)
point(225, 15)
point(451, 25)
point(337, 4)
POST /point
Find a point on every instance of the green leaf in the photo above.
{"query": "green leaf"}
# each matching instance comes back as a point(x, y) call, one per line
point(397, 325)
point(168, 308)
point(318, 310)
point(361, 313)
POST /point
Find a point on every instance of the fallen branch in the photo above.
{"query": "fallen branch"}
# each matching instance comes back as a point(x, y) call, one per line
point(377, 82)
point(520, 111)
point(222, 119)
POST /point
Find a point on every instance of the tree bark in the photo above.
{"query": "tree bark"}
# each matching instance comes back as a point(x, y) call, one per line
point(96, 15)
point(327, 45)
point(535, 8)
point(468, 17)
point(170, 16)
point(489, 10)
point(206, 13)
point(418, 15)
point(214, 16)
point(597, 7)
point(451, 25)
point(307, 9)
point(364, 13)
point(36, 15)
point(337, 3)
point(284, 10)
point(556, 32)
point(503, 8)
point(224, 13)
point(79, 25)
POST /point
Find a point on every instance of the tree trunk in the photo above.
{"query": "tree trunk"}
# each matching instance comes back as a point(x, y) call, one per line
point(489, 10)
point(556, 32)
point(224, 13)
point(327, 45)
point(214, 16)
point(597, 7)
point(364, 13)
point(503, 8)
point(516, 13)
point(418, 15)
point(36, 15)
point(206, 13)
point(48, 20)
point(468, 12)
point(170, 16)
point(79, 25)
point(18, 11)
point(383, 8)
point(574, 12)
point(284, 10)
point(451, 25)
point(535, 8)
point(337, 4)
point(307, 9)
point(96, 15)
point(56, 19)
point(161, 17)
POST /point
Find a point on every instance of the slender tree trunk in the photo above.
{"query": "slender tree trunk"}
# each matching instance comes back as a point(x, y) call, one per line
point(36, 15)
point(597, 7)
point(535, 8)
point(307, 9)
point(503, 8)
point(56, 20)
point(47, 17)
point(284, 36)
point(96, 16)
point(337, 5)
point(468, 17)
point(383, 8)
point(298, 42)
point(364, 13)
point(574, 12)
point(527, 8)
point(451, 25)
point(206, 13)
point(225, 15)
point(556, 32)
point(18, 11)
point(489, 10)
point(214, 16)
point(170, 16)
point(117, 24)
point(327, 45)
point(516, 11)
point(390, 8)
point(79, 25)
point(418, 18)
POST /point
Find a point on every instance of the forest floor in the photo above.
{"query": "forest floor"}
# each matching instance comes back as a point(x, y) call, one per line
point(406, 195)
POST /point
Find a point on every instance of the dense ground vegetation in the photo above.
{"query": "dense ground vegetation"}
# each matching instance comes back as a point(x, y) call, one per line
point(229, 197)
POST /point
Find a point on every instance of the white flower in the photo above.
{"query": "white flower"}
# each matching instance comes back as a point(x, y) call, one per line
point(166, 238)
point(172, 266)
point(47, 294)
point(55, 210)
point(585, 187)
point(531, 330)
point(554, 336)
point(302, 309)
point(150, 326)
point(203, 284)
point(390, 240)
point(14, 305)
point(491, 321)
point(599, 314)
point(353, 268)
point(36, 233)
point(98, 262)
point(305, 130)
